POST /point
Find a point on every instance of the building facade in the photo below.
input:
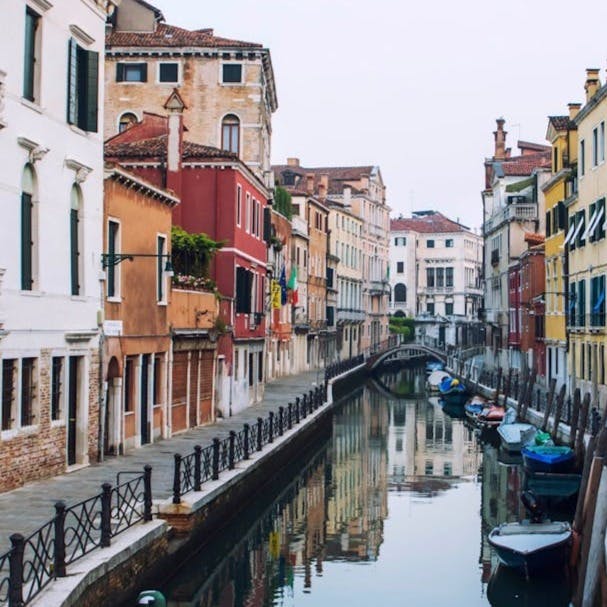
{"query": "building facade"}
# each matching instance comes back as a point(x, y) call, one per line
point(51, 184)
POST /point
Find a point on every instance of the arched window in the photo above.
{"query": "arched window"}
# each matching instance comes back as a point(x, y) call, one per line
point(400, 293)
point(28, 228)
point(230, 134)
point(127, 120)
point(75, 239)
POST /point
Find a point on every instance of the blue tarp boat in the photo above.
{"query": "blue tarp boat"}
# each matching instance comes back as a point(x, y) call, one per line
point(548, 458)
point(451, 385)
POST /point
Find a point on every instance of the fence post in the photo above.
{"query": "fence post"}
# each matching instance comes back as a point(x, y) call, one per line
point(147, 492)
point(297, 410)
point(106, 515)
point(59, 561)
point(289, 416)
point(231, 450)
point(177, 479)
point(245, 446)
point(304, 406)
point(281, 420)
point(215, 464)
point(197, 467)
point(259, 433)
point(271, 427)
point(15, 587)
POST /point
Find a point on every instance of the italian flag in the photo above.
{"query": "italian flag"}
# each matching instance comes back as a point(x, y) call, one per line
point(292, 285)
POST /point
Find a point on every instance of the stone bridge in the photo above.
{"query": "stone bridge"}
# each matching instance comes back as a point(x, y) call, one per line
point(405, 352)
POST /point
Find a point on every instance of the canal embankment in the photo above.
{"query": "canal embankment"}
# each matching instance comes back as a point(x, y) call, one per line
point(235, 460)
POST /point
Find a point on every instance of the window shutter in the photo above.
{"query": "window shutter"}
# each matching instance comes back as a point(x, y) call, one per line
point(248, 290)
point(26, 241)
point(72, 82)
point(120, 72)
point(74, 253)
point(92, 91)
point(144, 72)
point(240, 289)
point(267, 224)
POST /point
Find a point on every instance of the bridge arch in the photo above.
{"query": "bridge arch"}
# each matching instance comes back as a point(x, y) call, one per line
point(405, 352)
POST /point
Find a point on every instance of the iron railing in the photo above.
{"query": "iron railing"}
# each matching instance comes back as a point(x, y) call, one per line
point(35, 561)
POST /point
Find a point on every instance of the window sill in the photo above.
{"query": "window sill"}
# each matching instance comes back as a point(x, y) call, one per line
point(30, 293)
point(57, 423)
point(113, 299)
point(232, 83)
point(32, 105)
point(14, 433)
point(77, 298)
point(162, 303)
point(82, 132)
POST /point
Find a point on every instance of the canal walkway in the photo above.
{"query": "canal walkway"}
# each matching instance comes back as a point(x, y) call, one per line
point(27, 508)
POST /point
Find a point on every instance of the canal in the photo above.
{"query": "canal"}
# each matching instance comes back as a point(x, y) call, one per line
point(392, 509)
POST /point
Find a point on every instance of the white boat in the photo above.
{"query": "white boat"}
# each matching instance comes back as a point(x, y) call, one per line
point(434, 380)
point(515, 435)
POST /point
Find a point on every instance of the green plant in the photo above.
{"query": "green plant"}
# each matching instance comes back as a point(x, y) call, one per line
point(192, 253)
point(282, 202)
point(220, 325)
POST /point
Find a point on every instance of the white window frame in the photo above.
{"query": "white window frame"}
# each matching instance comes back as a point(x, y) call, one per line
point(117, 297)
point(238, 205)
point(247, 219)
point(243, 78)
point(167, 83)
point(160, 271)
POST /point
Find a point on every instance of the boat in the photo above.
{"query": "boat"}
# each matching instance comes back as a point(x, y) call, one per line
point(152, 598)
point(434, 380)
point(484, 415)
point(548, 458)
point(451, 385)
point(553, 487)
point(434, 365)
point(515, 435)
point(532, 545)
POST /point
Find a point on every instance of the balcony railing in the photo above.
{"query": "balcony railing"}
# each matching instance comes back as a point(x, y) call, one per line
point(350, 314)
point(512, 212)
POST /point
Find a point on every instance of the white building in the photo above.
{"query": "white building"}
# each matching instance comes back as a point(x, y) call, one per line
point(435, 275)
point(51, 191)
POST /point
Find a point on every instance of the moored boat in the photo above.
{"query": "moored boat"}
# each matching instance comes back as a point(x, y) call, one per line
point(434, 365)
point(548, 458)
point(515, 435)
point(434, 380)
point(487, 415)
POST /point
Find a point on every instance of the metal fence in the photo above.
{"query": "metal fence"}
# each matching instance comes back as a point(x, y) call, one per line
point(35, 561)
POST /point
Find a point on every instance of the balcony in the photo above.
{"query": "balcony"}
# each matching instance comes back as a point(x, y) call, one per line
point(192, 309)
point(350, 315)
point(512, 212)
point(439, 290)
point(378, 287)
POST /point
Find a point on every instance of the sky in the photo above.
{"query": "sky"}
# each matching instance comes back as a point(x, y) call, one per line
point(413, 87)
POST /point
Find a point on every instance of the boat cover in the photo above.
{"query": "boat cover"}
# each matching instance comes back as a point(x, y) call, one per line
point(526, 537)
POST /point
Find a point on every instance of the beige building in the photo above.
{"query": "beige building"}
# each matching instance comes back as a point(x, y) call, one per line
point(227, 85)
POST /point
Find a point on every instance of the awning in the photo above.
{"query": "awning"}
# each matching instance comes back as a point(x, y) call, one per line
point(591, 224)
point(517, 186)
point(577, 230)
point(570, 233)
point(599, 301)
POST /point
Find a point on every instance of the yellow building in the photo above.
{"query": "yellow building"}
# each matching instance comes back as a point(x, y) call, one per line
point(562, 135)
point(586, 245)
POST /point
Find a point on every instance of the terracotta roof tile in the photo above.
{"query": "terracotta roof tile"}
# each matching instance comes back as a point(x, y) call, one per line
point(172, 36)
point(434, 222)
point(524, 165)
point(561, 123)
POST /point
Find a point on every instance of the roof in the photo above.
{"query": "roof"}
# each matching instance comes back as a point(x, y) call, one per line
point(155, 147)
point(520, 166)
point(172, 36)
point(428, 223)
point(562, 123)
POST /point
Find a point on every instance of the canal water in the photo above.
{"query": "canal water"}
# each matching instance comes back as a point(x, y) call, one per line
point(393, 509)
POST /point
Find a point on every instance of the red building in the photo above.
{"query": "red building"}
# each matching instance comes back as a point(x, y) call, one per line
point(223, 198)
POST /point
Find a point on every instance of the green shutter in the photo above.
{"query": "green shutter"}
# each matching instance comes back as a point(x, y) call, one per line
point(26, 242)
point(72, 82)
point(144, 72)
point(120, 72)
point(92, 91)
point(74, 252)
point(111, 268)
point(29, 64)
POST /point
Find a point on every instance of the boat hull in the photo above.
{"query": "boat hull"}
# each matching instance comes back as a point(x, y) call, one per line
point(535, 463)
point(533, 563)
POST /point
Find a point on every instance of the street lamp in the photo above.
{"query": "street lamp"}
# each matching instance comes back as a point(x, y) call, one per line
point(113, 259)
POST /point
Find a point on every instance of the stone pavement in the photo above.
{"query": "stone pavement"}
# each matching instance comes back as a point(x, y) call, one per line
point(25, 509)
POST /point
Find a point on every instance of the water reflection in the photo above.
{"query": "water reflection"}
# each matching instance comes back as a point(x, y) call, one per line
point(401, 491)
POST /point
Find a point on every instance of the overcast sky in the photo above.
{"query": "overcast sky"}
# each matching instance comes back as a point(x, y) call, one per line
point(414, 87)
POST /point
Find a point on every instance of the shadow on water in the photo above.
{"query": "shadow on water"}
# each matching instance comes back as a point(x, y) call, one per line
point(403, 490)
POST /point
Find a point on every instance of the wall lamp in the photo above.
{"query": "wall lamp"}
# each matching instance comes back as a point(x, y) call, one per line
point(113, 259)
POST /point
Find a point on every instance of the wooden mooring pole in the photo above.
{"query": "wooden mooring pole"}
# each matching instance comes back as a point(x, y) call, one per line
point(549, 401)
point(575, 417)
point(560, 401)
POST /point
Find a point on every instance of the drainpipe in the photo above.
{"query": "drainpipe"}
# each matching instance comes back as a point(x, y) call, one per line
point(102, 384)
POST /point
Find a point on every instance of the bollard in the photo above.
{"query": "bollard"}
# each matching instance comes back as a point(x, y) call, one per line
point(271, 427)
point(304, 407)
point(177, 479)
point(289, 416)
point(215, 462)
point(59, 560)
point(147, 492)
point(259, 433)
point(231, 450)
point(297, 407)
point(245, 447)
point(197, 467)
point(281, 419)
point(106, 515)
point(15, 586)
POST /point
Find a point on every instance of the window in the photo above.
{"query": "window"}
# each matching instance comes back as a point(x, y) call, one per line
point(231, 73)
point(400, 267)
point(82, 87)
point(400, 241)
point(31, 64)
point(9, 367)
point(581, 303)
point(440, 277)
point(430, 244)
point(28, 241)
point(75, 240)
point(168, 72)
point(129, 384)
point(548, 222)
point(430, 277)
point(157, 380)
point(430, 308)
point(127, 120)
point(56, 387)
point(449, 309)
point(244, 285)
point(580, 221)
point(160, 261)
point(28, 391)
point(247, 217)
point(598, 232)
point(238, 204)
point(595, 146)
point(113, 284)
point(597, 301)
point(602, 142)
point(131, 72)
point(449, 243)
point(230, 134)
point(400, 293)
point(449, 277)
point(582, 162)
point(555, 159)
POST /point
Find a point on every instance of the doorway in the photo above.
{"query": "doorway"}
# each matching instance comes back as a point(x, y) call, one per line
point(72, 408)
point(144, 401)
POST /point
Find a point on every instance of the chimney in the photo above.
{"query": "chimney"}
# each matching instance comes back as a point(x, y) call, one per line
point(592, 83)
point(310, 183)
point(293, 162)
point(574, 108)
point(175, 106)
point(323, 188)
point(500, 140)
point(347, 196)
